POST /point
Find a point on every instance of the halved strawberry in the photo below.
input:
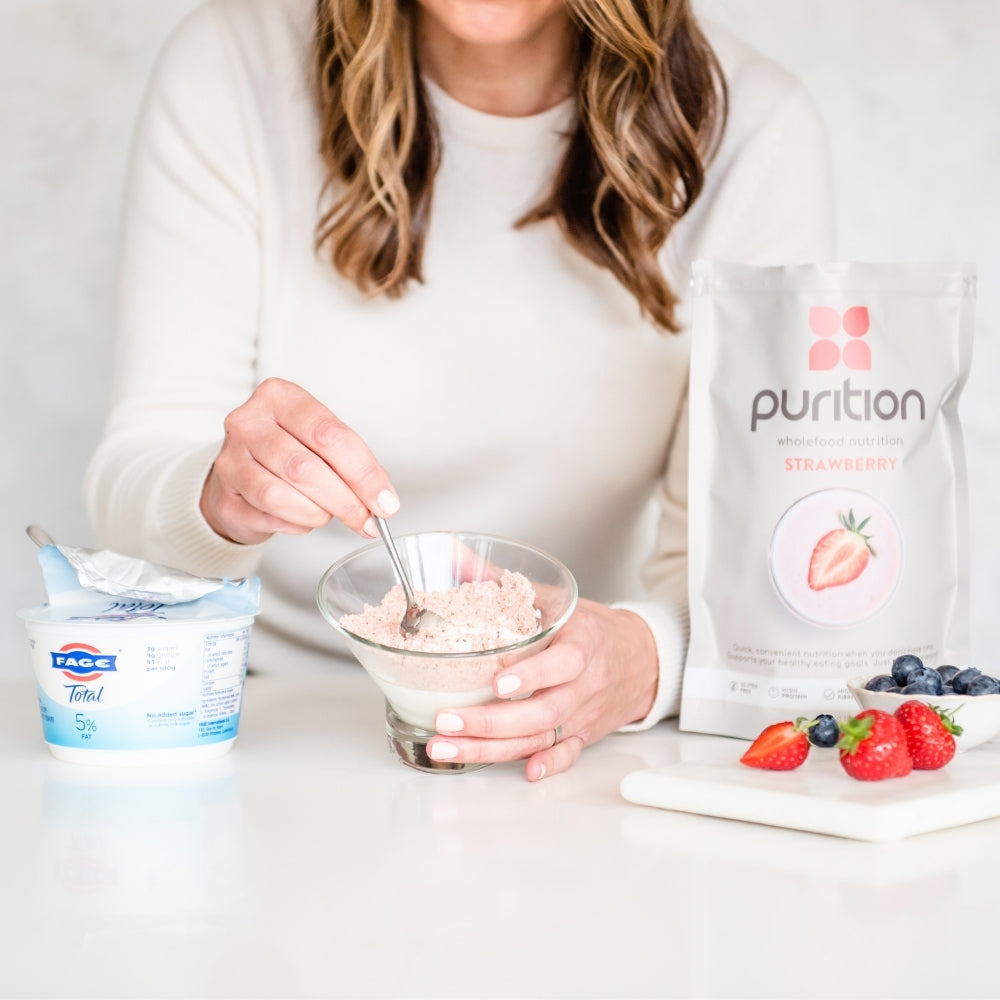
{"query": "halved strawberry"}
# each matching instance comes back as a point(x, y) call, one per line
point(780, 747)
point(873, 746)
point(930, 734)
point(841, 555)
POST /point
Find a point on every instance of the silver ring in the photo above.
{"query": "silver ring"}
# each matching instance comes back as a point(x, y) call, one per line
point(557, 735)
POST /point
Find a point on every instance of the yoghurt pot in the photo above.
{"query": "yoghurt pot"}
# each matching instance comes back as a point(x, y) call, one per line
point(139, 689)
point(124, 681)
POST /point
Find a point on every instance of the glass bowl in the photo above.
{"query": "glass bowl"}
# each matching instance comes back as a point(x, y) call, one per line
point(419, 684)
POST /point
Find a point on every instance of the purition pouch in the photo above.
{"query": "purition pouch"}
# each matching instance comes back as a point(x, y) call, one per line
point(827, 488)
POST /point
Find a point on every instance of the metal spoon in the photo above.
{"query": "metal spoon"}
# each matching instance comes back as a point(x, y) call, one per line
point(415, 617)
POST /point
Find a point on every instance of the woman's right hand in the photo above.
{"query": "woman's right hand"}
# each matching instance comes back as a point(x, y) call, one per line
point(289, 465)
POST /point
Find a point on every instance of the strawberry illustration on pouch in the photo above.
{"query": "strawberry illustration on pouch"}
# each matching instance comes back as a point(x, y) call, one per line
point(841, 555)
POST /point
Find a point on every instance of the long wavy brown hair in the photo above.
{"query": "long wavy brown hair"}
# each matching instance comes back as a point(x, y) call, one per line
point(651, 102)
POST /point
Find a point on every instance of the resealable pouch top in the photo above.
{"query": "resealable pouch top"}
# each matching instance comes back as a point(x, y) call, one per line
point(827, 487)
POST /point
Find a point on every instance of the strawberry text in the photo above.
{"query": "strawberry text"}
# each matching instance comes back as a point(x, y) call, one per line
point(840, 464)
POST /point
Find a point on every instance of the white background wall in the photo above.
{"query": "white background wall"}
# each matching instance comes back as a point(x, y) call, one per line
point(910, 90)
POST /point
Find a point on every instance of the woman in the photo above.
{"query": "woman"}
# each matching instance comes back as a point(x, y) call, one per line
point(431, 257)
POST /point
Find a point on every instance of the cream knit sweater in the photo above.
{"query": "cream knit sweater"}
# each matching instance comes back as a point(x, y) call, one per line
point(517, 391)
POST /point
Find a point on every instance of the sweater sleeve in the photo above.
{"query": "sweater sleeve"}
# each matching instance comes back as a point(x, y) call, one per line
point(769, 201)
point(666, 609)
point(188, 290)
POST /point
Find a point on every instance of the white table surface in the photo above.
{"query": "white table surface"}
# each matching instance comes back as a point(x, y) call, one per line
point(308, 862)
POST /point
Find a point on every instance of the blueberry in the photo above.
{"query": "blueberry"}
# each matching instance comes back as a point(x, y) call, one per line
point(921, 685)
point(902, 665)
point(947, 672)
point(925, 675)
point(824, 731)
point(983, 685)
point(880, 682)
point(960, 682)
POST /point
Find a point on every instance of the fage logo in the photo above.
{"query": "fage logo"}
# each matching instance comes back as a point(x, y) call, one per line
point(825, 353)
point(80, 662)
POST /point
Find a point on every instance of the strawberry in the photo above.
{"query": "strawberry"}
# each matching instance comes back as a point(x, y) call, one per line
point(930, 734)
point(841, 555)
point(873, 746)
point(781, 747)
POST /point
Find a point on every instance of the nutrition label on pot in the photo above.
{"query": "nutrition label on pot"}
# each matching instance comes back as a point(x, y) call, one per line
point(224, 664)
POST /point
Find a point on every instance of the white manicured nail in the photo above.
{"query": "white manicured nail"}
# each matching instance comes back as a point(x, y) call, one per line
point(448, 722)
point(369, 528)
point(443, 751)
point(508, 684)
point(387, 502)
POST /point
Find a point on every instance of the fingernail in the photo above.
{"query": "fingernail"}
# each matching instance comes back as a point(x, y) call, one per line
point(508, 684)
point(369, 528)
point(448, 722)
point(442, 751)
point(534, 771)
point(387, 502)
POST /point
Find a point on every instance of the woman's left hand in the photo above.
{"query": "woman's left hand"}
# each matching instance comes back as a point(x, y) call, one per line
point(598, 674)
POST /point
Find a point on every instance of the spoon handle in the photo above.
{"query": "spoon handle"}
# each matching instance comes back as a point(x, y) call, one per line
point(39, 536)
point(383, 530)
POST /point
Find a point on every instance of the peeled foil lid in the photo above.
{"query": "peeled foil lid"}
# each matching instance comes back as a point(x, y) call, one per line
point(136, 579)
point(132, 579)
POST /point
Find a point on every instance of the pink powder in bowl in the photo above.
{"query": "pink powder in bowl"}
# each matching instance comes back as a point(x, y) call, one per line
point(478, 615)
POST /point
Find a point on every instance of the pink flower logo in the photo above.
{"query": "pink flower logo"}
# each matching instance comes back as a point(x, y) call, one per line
point(825, 353)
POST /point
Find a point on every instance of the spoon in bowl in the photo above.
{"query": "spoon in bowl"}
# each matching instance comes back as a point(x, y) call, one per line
point(415, 617)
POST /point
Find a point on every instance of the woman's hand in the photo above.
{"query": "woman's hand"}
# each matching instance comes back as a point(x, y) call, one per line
point(599, 673)
point(289, 465)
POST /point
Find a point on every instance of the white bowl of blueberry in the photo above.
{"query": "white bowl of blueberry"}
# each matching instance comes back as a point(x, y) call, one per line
point(971, 697)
